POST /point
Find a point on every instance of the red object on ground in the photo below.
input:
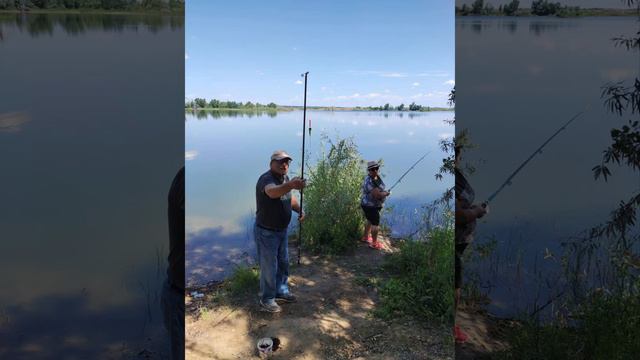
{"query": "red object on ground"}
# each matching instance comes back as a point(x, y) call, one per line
point(375, 245)
point(459, 335)
point(367, 240)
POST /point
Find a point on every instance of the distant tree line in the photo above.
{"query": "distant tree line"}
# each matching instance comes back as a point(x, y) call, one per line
point(538, 8)
point(93, 4)
point(402, 107)
point(45, 23)
point(200, 103)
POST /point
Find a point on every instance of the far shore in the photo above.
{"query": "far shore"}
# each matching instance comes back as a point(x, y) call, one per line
point(526, 13)
point(91, 12)
point(315, 108)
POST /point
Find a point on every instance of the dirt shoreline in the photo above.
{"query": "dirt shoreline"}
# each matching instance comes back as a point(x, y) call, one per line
point(331, 320)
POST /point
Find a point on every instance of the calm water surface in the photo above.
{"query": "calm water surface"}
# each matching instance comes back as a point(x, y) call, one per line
point(227, 153)
point(91, 135)
point(524, 78)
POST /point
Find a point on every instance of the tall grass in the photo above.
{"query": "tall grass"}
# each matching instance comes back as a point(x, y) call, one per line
point(422, 283)
point(332, 199)
point(604, 327)
point(243, 281)
point(598, 316)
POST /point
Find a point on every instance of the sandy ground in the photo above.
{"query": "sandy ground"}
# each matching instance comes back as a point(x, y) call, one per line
point(486, 334)
point(331, 320)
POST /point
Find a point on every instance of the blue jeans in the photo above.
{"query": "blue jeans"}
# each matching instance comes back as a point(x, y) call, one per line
point(273, 257)
point(173, 312)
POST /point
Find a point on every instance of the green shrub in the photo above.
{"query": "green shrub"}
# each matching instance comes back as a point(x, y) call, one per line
point(604, 327)
point(244, 280)
point(334, 219)
point(422, 283)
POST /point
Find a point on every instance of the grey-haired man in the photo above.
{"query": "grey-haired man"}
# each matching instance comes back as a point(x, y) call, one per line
point(274, 203)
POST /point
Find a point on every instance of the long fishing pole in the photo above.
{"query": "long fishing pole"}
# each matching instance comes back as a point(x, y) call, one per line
point(538, 151)
point(406, 172)
point(304, 126)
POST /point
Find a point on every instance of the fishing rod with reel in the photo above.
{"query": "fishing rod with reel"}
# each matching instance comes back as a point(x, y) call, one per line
point(304, 126)
point(536, 152)
point(409, 170)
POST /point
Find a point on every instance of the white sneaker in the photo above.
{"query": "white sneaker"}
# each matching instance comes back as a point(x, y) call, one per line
point(271, 307)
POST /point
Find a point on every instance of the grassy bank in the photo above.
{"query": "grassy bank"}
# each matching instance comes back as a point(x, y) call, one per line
point(603, 327)
point(421, 282)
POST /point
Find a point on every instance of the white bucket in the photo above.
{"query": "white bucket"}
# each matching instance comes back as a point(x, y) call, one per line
point(265, 347)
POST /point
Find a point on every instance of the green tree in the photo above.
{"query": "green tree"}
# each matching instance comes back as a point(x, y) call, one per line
point(544, 7)
point(623, 99)
point(214, 104)
point(414, 107)
point(386, 107)
point(488, 9)
point(477, 6)
point(465, 10)
point(272, 105)
point(201, 103)
point(511, 8)
point(400, 107)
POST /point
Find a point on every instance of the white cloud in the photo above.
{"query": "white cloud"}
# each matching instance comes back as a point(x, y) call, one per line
point(435, 73)
point(410, 133)
point(299, 134)
point(394, 75)
point(299, 82)
point(190, 155)
point(450, 82)
point(391, 141)
point(324, 88)
point(391, 74)
point(415, 84)
point(186, 56)
point(430, 94)
point(445, 135)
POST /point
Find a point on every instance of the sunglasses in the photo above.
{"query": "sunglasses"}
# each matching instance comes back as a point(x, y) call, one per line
point(374, 169)
point(283, 161)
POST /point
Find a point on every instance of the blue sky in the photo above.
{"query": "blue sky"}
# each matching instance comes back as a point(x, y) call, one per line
point(358, 53)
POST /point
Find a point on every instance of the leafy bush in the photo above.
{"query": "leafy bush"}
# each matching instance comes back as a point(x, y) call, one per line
point(244, 280)
point(605, 327)
point(423, 277)
point(332, 199)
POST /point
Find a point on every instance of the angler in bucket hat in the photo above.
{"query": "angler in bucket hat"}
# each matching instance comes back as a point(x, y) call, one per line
point(373, 197)
point(467, 212)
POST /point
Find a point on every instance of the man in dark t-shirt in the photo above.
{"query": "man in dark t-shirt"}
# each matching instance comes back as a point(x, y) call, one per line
point(274, 203)
point(173, 289)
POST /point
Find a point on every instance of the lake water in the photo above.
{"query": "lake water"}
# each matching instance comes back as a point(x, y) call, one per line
point(91, 135)
point(227, 152)
point(518, 81)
